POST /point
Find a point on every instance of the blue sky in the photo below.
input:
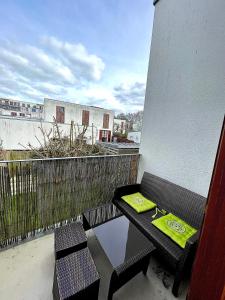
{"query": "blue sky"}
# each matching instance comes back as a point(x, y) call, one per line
point(91, 52)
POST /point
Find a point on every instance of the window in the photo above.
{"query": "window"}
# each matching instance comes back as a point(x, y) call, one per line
point(23, 105)
point(106, 121)
point(60, 114)
point(11, 103)
point(85, 117)
point(104, 135)
point(33, 109)
point(22, 115)
point(13, 114)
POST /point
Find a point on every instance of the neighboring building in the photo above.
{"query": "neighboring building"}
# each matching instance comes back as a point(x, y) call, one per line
point(136, 127)
point(185, 99)
point(65, 112)
point(134, 136)
point(119, 126)
point(20, 109)
point(18, 130)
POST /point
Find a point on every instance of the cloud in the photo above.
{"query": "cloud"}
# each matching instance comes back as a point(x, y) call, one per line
point(100, 96)
point(130, 93)
point(47, 70)
point(77, 57)
point(62, 70)
point(125, 97)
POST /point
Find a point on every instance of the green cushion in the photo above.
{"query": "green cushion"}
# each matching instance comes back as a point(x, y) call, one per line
point(178, 230)
point(138, 202)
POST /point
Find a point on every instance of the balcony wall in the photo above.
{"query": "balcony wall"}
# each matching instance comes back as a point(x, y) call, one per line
point(38, 195)
point(184, 103)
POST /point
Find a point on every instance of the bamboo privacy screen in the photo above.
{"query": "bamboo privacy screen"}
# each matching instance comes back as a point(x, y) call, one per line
point(37, 195)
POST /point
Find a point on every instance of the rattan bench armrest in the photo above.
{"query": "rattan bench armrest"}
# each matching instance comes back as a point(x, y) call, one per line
point(191, 243)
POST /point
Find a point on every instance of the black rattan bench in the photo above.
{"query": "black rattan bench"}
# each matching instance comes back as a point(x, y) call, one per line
point(183, 203)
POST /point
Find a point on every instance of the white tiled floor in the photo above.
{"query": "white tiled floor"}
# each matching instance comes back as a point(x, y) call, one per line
point(26, 273)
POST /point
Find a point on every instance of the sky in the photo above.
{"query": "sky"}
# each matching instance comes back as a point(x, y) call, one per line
point(92, 52)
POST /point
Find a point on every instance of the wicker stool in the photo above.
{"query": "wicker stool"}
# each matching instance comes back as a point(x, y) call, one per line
point(69, 238)
point(76, 277)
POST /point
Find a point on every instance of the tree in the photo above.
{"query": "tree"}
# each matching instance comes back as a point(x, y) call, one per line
point(55, 144)
point(134, 120)
point(1, 150)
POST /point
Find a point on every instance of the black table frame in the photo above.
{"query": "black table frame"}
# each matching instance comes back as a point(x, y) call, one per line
point(127, 270)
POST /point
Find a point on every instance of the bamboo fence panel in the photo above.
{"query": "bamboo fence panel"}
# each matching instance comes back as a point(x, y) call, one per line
point(39, 195)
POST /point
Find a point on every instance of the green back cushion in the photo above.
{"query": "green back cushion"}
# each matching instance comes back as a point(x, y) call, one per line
point(178, 230)
point(138, 202)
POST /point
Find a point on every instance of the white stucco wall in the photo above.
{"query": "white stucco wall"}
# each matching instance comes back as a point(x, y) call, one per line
point(134, 136)
point(16, 133)
point(185, 96)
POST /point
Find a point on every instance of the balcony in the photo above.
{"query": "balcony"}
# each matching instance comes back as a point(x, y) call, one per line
point(40, 195)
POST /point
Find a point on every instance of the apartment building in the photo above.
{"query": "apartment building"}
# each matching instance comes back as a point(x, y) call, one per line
point(83, 115)
point(20, 121)
point(20, 109)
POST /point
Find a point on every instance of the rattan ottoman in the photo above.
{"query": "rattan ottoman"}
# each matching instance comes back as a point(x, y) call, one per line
point(69, 238)
point(76, 277)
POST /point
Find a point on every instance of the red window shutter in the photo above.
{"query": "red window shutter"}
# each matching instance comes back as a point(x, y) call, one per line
point(85, 117)
point(60, 114)
point(109, 136)
point(106, 121)
point(100, 135)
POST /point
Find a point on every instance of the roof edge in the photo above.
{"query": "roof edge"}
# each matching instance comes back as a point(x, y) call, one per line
point(155, 2)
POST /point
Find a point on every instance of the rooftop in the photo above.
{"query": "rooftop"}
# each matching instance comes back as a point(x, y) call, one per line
point(122, 145)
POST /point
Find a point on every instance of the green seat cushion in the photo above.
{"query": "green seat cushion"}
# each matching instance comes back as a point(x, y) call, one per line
point(138, 202)
point(178, 230)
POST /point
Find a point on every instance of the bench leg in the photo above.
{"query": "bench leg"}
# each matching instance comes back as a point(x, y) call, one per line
point(177, 279)
point(110, 296)
point(145, 268)
point(176, 285)
point(113, 285)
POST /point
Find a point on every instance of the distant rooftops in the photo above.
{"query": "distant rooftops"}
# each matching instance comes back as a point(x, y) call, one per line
point(84, 105)
point(49, 99)
point(121, 145)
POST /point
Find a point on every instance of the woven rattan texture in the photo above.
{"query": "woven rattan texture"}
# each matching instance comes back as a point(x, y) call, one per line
point(75, 273)
point(69, 236)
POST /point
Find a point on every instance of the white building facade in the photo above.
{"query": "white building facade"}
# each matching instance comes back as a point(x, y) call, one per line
point(17, 132)
point(120, 126)
point(134, 136)
point(83, 115)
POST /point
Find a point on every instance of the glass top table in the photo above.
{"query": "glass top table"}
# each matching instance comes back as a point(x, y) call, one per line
point(121, 240)
point(126, 248)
